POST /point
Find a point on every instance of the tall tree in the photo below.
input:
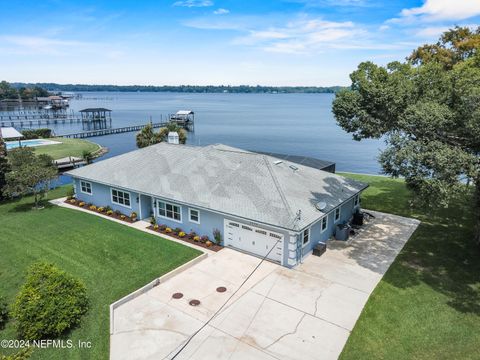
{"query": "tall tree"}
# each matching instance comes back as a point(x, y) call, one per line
point(4, 167)
point(147, 136)
point(29, 174)
point(428, 111)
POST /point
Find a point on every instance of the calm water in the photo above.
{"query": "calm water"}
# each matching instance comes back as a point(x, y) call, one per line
point(300, 124)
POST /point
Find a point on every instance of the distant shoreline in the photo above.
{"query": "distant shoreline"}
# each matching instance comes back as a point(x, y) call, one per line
point(241, 89)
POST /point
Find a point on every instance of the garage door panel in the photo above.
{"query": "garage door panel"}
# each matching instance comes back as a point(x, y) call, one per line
point(254, 240)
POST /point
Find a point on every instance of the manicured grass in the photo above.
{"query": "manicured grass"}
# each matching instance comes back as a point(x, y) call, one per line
point(428, 304)
point(112, 259)
point(68, 147)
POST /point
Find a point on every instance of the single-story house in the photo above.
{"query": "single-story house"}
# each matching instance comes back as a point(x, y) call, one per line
point(261, 204)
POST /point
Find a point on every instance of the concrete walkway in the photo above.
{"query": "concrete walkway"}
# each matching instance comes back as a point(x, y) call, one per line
point(304, 313)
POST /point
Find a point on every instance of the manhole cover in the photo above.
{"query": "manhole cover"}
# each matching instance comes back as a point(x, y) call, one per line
point(194, 302)
point(177, 295)
point(221, 289)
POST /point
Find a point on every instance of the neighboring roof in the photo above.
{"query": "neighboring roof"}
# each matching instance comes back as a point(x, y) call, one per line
point(303, 160)
point(184, 112)
point(94, 109)
point(10, 133)
point(229, 180)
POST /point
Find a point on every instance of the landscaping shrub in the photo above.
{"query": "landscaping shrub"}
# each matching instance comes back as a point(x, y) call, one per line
point(163, 227)
point(81, 203)
point(204, 239)
point(192, 234)
point(123, 217)
point(23, 354)
point(117, 212)
point(49, 303)
point(196, 238)
point(155, 227)
point(101, 209)
point(133, 215)
point(70, 193)
point(92, 207)
point(217, 235)
point(181, 234)
point(153, 221)
point(109, 212)
point(168, 230)
point(177, 230)
point(3, 312)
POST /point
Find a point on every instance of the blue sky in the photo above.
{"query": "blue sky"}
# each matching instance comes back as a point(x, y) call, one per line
point(285, 42)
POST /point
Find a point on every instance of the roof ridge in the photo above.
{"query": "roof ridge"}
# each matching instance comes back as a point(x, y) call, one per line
point(277, 185)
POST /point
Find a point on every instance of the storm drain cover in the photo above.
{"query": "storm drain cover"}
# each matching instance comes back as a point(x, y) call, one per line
point(177, 295)
point(194, 302)
point(221, 289)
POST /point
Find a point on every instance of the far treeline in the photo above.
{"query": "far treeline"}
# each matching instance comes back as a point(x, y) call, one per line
point(182, 88)
point(24, 92)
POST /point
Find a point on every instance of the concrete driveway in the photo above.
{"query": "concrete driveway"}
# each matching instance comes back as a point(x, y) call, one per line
point(279, 313)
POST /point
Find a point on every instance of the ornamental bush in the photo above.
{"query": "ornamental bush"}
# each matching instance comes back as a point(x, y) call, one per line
point(181, 234)
point(3, 312)
point(49, 303)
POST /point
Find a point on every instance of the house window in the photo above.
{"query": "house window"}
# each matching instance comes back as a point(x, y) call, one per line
point(324, 223)
point(120, 197)
point(194, 216)
point(356, 200)
point(337, 214)
point(169, 211)
point(305, 237)
point(86, 187)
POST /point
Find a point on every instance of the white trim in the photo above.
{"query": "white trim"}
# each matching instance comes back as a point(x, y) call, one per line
point(140, 207)
point(81, 187)
point(309, 237)
point(190, 215)
point(172, 204)
point(339, 208)
point(119, 204)
point(356, 199)
point(326, 224)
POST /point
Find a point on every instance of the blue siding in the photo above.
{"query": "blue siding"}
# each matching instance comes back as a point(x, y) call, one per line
point(101, 196)
point(317, 236)
point(209, 220)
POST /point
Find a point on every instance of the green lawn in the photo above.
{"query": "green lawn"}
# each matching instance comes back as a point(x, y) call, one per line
point(112, 259)
point(428, 304)
point(68, 147)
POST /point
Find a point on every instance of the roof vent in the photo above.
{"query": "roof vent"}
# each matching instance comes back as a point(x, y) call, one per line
point(293, 167)
point(321, 205)
point(278, 162)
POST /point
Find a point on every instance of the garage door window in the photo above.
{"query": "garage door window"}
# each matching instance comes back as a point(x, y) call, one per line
point(305, 237)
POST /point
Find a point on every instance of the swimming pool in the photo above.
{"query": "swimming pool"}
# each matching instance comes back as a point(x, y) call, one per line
point(34, 142)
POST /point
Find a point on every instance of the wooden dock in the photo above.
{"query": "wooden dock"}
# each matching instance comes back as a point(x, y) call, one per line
point(103, 132)
point(18, 121)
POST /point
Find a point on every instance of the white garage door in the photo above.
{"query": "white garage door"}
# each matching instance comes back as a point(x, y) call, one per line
point(254, 240)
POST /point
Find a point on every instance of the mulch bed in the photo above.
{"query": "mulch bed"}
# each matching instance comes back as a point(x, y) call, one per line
point(213, 247)
point(113, 215)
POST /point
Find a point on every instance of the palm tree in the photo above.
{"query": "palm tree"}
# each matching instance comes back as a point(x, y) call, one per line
point(147, 137)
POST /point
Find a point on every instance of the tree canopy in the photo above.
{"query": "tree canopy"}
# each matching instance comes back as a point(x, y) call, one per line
point(9, 92)
point(428, 111)
point(29, 174)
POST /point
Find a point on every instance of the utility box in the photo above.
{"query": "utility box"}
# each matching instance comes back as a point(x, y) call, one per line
point(342, 232)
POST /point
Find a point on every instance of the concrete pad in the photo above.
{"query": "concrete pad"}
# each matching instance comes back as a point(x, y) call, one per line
point(277, 313)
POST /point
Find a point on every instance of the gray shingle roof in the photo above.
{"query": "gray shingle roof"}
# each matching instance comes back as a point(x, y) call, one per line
point(229, 180)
